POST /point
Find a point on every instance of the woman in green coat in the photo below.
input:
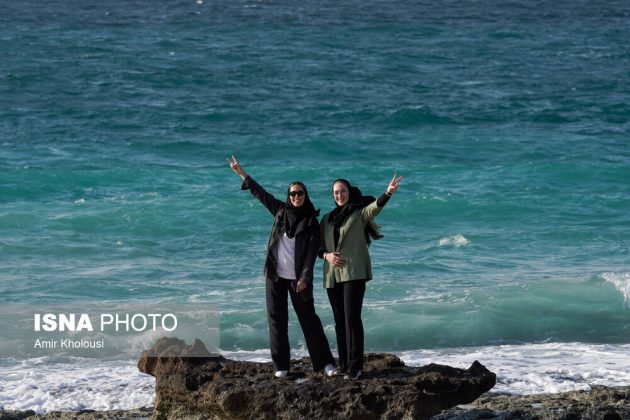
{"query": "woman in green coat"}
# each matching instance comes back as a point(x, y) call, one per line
point(346, 232)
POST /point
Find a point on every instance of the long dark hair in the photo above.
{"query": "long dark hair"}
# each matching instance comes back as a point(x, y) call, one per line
point(356, 201)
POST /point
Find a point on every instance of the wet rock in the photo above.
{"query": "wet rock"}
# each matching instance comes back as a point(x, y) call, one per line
point(217, 388)
point(134, 414)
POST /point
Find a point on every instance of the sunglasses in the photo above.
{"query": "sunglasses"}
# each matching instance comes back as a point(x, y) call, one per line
point(298, 193)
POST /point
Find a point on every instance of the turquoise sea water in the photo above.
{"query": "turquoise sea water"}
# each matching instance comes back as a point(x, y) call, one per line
point(510, 122)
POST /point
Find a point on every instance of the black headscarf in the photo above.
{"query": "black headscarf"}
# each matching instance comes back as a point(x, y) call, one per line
point(294, 216)
point(356, 201)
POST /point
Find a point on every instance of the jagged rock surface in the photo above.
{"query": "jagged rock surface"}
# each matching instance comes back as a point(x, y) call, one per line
point(600, 403)
point(218, 388)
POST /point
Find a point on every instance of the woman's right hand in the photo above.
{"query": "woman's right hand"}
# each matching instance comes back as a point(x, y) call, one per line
point(335, 258)
point(393, 185)
point(236, 167)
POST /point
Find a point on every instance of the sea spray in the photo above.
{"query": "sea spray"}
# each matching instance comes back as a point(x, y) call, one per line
point(621, 281)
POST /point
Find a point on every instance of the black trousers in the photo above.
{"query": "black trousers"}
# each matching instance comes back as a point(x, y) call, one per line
point(278, 316)
point(346, 300)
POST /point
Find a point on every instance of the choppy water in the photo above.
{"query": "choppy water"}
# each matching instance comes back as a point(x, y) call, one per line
point(510, 123)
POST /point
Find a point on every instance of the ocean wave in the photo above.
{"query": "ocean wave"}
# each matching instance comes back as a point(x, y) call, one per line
point(456, 241)
point(538, 368)
point(44, 385)
point(622, 282)
point(202, 297)
point(417, 115)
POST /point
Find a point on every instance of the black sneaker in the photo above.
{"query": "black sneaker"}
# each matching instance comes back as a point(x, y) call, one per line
point(353, 375)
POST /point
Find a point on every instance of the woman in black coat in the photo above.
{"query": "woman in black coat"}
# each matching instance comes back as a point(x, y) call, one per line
point(291, 254)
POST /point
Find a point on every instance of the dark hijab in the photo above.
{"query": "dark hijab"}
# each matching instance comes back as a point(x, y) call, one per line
point(356, 201)
point(293, 216)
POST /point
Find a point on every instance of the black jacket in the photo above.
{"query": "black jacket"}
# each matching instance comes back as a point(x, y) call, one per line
point(307, 236)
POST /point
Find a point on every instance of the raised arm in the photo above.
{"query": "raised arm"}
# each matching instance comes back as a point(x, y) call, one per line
point(269, 201)
point(375, 208)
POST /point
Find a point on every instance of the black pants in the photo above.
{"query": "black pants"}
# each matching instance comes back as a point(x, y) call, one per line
point(278, 316)
point(346, 300)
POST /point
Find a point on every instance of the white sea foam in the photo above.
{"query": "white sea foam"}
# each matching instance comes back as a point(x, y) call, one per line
point(622, 282)
point(412, 295)
point(539, 368)
point(46, 384)
point(520, 369)
point(260, 355)
point(456, 241)
point(201, 297)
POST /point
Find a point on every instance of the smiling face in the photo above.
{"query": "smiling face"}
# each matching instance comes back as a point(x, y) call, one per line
point(341, 194)
point(297, 195)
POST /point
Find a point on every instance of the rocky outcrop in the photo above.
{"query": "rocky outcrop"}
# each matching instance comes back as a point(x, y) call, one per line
point(600, 402)
point(218, 388)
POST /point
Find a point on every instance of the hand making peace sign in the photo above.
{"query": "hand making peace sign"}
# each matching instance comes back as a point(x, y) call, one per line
point(393, 184)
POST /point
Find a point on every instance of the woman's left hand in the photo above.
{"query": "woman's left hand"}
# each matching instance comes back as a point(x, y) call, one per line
point(301, 286)
point(393, 184)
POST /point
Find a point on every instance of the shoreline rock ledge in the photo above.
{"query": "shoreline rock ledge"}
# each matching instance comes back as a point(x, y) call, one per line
point(192, 387)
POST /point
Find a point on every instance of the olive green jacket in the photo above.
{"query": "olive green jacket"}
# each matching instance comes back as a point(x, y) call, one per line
point(352, 247)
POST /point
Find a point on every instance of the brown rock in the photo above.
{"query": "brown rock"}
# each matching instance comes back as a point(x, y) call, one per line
point(218, 388)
